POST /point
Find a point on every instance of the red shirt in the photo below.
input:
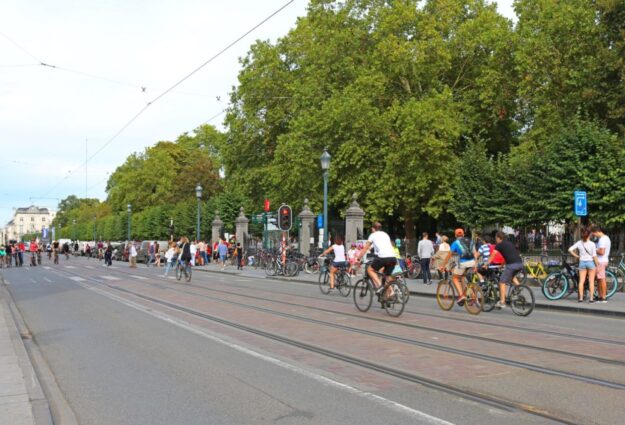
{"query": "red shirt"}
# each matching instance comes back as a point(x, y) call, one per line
point(33, 247)
point(497, 258)
point(21, 246)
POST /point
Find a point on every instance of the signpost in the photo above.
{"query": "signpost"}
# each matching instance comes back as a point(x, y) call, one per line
point(581, 203)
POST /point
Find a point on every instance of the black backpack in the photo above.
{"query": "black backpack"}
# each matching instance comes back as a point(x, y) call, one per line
point(466, 246)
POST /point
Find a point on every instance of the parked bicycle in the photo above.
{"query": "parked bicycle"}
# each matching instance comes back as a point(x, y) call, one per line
point(393, 298)
point(520, 297)
point(342, 280)
point(536, 270)
point(565, 282)
point(619, 271)
point(277, 268)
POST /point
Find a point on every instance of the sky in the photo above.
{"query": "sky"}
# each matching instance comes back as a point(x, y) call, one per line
point(105, 52)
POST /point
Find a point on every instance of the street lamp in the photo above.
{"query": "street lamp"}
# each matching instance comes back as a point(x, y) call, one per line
point(129, 211)
point(94, 220)
point(198, 193)
point(171, 229)
point(325, 166)
point(74, 229)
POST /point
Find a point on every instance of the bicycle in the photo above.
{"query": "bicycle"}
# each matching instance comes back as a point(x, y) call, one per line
point(342, 281)
point(520, 297)
point(413, 267)
point(446, 295)
point(534, 269)
point(564, 282)
point(393, 304)
point(183, 267)
point(277, 268)
point(619, 271)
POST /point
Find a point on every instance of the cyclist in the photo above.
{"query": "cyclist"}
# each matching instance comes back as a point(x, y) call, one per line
point(514, 264)
point(465, 249)
point(55, 251)
point(484, 249)
point(339, 258)
point(3, 254)
point(384, 255)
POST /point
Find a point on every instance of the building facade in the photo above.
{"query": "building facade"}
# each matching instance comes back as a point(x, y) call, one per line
point(27, 220)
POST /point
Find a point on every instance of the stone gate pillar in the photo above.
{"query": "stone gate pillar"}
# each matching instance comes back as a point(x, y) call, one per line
point(241, 223)
point(216, 228)
point(306, 231)
point(354, 222)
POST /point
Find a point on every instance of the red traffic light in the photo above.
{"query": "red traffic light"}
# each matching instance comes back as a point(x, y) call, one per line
point(285, 220)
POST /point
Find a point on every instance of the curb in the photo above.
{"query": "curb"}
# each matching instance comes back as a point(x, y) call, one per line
point(39, 404)
point(47, 399)
point(538, 306)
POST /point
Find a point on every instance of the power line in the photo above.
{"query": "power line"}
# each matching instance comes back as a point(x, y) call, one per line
point(161, 95)
point(13, 42)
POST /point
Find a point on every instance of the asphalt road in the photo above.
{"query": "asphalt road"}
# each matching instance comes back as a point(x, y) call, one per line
point(131, 347)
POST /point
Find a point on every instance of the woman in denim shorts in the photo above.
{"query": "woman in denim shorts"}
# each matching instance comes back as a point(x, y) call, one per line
point(586, 252)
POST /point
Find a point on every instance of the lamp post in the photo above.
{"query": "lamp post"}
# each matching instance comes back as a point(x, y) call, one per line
point(325, 166)
point(171, 229)
point(94, 220)
point(74, 229)
point(129, 211)
point(198, 194)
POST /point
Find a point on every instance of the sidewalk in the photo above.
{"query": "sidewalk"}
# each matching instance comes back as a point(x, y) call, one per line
point(21, 397)
point(614, 308)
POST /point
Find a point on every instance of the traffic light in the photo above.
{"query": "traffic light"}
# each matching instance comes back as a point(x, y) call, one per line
point(285, 218)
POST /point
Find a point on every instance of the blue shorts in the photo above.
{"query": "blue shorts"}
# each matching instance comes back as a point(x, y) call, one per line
point(586, 265)
point(339, 264)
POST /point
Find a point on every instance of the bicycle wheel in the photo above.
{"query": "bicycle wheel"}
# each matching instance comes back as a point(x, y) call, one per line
point(271, 268)
point(343, 283)
point(475, 299)
point(445, 295)
point(178, 272)
point(324, 283)
point(522, 300)
point(311, 267)
point(521, 276)
point(611, 281)
point(395, 304)
point(363, 295)
point(415, 270)
point(187, 273)
point(555, 286)
point(491, 295)
point(292, 269)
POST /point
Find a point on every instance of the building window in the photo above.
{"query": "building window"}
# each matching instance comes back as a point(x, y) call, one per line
point(21, 218)
point(43, 219)
point(32, 219)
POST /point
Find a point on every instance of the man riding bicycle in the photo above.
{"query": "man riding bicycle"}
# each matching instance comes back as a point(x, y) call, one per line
point(384, 255)
point(465, 249)
point(514, 264)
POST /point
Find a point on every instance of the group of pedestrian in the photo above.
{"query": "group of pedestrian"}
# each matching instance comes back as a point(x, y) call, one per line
point(593, 253)
point(13, 254)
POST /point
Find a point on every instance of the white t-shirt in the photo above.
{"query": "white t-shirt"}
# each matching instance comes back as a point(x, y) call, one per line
point(604, 242)
point(133, 251)
point(351, 254)
point(339, 253)
point(382, 246)
point(169, 254)
point(586, 250)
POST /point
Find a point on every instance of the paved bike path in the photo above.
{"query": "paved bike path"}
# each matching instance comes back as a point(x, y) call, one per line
point(614, 307)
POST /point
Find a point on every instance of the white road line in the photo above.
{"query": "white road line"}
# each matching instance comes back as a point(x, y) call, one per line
point(70, 267)
point(136, 276)
point(77, 279)
point(33, 280)
point(109, 277)
point(89, 267)
point(47, 280)
point(47, 267)
point(414, 413)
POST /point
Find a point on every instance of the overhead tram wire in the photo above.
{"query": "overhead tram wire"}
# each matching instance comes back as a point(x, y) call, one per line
point(14, 43)
point(161, 95)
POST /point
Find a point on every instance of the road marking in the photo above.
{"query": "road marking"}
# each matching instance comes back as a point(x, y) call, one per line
point(77, 279)
point(33, 280)
point(70, 267)
point(47, 280)
point(136, 276)
point(109, 277)
point(417, 414)
point(47, 267)
point(89, 267)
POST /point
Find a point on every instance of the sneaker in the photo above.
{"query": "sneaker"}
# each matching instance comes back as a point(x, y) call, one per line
point(580, 301)
point(591, 301)
point(500, 305)
point(461, 301)
point(379, 290)
point(603, 301)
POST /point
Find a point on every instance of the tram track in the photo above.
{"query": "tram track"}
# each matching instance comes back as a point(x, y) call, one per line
point(390, 337)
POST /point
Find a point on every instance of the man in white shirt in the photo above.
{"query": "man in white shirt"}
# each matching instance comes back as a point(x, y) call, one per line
point(603, 255)
point(425, 250)
point(384, 254)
